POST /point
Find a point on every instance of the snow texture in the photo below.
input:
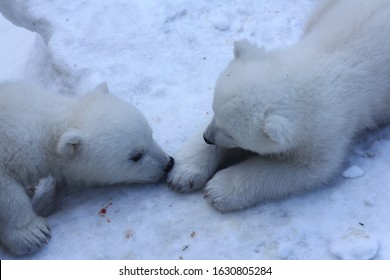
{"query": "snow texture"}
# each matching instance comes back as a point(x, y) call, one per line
point(353, 172)
point(355, 244)
point(164, 57)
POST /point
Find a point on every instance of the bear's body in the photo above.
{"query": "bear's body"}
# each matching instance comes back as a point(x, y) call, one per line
point(95, 139)
point(284, 120)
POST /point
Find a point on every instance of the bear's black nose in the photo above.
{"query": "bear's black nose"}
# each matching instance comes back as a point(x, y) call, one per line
point(169, 165)
point(207, 140)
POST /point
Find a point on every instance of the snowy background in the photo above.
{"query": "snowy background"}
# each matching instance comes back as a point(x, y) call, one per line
point(164, 57)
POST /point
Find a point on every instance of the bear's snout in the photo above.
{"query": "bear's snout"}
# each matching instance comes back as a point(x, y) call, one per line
point(169, 165)
point(209, 134)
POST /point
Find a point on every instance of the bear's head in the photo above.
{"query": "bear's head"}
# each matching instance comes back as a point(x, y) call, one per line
point(109, 142)
point(250, 108)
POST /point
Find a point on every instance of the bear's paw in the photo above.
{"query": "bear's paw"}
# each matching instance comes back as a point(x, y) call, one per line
point(28, 239)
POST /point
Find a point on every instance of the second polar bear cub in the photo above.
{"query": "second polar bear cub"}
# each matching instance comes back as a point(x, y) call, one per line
point(283, 120)
point(94, 139)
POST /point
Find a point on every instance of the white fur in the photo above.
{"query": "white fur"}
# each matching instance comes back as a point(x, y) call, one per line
point(295, 110)
point(80, 141)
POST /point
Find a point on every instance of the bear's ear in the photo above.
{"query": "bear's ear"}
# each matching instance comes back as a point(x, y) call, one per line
point(245, 50)
point(102, 88)
point(69, 143)
point(279, 129)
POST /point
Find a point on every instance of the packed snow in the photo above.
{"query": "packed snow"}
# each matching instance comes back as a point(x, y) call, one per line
point(353, 172)
point(164, 57)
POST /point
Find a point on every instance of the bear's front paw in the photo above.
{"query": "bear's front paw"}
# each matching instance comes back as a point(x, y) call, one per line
point(28, 239)
point(184, 178)
point(223, 193)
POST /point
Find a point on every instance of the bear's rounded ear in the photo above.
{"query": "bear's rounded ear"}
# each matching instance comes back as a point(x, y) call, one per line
point(102, 88)
point(278, 129)
point(245, 50)
point(69, 143)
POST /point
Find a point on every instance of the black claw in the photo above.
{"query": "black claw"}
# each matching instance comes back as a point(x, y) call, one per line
point(171, 186)
point(47, 233)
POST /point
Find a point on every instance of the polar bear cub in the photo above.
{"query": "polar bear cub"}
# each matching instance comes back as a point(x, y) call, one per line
point(283, 120)
point(95, 139)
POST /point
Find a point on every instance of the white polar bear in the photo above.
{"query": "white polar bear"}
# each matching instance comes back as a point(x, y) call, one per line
point(95, 139)
point(283, 120)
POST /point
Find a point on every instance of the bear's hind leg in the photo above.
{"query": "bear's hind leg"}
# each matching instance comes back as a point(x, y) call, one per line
point(21, 230)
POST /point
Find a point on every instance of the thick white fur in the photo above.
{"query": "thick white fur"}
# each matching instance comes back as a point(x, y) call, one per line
point(295, 110)
point(83, 141)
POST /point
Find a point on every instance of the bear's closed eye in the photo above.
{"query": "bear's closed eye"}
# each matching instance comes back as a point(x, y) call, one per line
point(136, 156)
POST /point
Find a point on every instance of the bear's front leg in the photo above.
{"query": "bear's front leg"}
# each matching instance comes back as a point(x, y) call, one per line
point(21, 230)
point(194, 165)
point(259, 179)
point(197, 162)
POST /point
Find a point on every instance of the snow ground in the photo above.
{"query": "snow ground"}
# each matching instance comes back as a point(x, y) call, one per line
point(164, 57)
